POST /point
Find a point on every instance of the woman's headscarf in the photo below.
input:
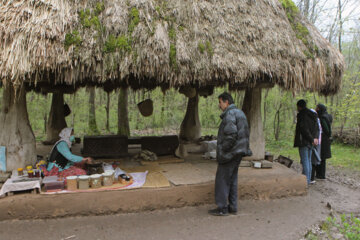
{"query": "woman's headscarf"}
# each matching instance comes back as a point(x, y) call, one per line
point(65, 135)
point(321, 109)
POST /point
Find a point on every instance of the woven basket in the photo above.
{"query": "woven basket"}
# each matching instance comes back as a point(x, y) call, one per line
point(146, 107)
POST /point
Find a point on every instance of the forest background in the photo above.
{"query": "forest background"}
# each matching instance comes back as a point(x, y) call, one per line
point(337, 20)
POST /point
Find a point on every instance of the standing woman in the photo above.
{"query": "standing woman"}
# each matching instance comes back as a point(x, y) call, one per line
point(326, 121)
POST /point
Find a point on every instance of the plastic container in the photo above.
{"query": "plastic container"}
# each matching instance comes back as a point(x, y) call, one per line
point(95, 181)
point(52, 183)
point(31, 174)
point(112, 172)
point(83, 182)
point(71, 183)
point(20, 171)
point(108, 178)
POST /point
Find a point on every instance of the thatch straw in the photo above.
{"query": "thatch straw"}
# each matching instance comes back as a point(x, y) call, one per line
point(174, 43)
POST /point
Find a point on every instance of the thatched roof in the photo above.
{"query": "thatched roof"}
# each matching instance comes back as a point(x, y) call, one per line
point(148, 43)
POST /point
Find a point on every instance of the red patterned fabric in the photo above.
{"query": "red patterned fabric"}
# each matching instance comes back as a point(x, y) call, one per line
point(71, 171)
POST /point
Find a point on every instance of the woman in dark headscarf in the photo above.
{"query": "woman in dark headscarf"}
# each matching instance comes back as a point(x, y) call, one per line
point(326, 121)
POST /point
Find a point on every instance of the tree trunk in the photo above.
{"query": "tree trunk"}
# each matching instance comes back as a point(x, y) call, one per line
point(56, 121)
point(123, 119)
point(16, 133)
point(340, 25)
point(265, 107)
point(190, 129)
point(92, 117)
point(252, 110)
point(107, 108)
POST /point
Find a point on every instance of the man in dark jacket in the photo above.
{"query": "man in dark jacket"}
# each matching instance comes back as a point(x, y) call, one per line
point(325, 121)
point(306, 136)
point(232, 145)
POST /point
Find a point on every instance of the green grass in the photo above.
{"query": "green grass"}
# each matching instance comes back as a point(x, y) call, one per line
point(284, 148)
point(343, 156)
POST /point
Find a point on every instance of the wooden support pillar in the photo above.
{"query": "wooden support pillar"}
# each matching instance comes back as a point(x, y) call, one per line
point(123, 118)
point(56, 121)
point(252, 110)
point(16, 133)
point(190, 129)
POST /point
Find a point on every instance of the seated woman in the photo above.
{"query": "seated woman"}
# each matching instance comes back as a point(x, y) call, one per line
point(61, 161)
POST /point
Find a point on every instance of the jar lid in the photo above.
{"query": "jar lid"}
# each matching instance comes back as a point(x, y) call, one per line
point(71, 177)
point(29, 167)
point(84, 177)
point(107, 174)
point(95, 176)
point(31, 171)
point(20, 169)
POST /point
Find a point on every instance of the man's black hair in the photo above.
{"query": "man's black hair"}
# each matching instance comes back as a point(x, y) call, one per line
point(301, 103)
point(225, 96)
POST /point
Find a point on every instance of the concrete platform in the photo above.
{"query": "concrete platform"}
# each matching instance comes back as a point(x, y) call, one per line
point(196, 187)
point(253, 184)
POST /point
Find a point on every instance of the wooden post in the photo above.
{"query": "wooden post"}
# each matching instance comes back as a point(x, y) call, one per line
point(252, 110)
point(190, 129)
point(123, 119)
point(56, 121)
point(16, 133)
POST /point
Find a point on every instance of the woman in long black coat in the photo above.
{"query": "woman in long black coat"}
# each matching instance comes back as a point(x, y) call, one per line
point(326, 121)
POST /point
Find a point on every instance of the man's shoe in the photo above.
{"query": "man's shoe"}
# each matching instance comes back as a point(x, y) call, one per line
point(232, 211)
point(218, 212)
point(313, 182)
point(321, 179)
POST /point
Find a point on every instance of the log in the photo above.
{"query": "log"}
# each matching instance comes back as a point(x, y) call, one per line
point(349, 136)
point(16, 133)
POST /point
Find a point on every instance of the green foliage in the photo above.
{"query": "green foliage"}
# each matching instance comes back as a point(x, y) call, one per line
point(99, 8)
point(172, 34)
point(90, 17)
point(134, 20)
point(181, 28)
point(73, 38)
point(124, 42)
point(301, 31)
point(209, 48)
point(308, 54)
point(172, 56)
point(110, 44)
point(113, 43)
point(85, 18)
point(347, 225)
point(291, 9)
point(201, 47)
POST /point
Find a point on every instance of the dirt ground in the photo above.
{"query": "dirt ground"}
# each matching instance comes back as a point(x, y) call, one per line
point(287, 218)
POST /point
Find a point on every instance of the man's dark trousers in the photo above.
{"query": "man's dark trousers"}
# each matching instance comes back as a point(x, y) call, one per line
point(226, 185)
